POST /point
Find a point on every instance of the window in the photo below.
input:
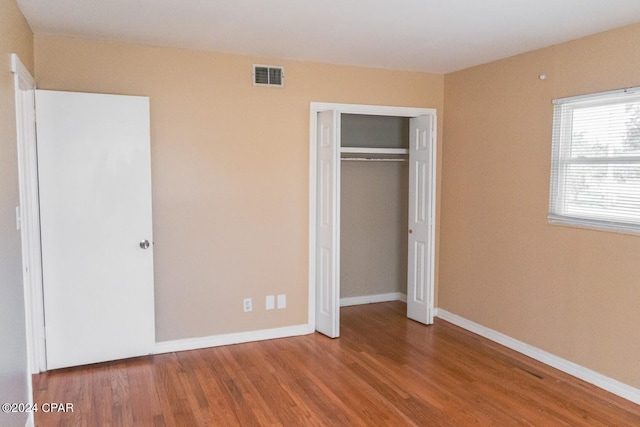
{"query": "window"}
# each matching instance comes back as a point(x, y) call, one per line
point(595, 167)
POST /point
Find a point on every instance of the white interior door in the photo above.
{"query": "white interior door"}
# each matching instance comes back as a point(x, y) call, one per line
point(328, 224)
point(420, 274)
point(95, 204)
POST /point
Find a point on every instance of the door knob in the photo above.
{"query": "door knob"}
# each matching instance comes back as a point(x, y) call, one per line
point(145, 244)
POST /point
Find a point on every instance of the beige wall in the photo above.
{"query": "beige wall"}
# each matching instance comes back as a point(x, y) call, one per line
point(373, 228)
point(572, 292)
point(230, 169)
point(15, 37)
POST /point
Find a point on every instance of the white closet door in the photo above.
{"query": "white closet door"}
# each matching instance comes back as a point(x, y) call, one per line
point(420, 272)
point(95, 200)
point(328, 225)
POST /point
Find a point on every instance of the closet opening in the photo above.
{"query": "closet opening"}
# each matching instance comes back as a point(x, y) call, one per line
point(374, 198)
point(372, 210)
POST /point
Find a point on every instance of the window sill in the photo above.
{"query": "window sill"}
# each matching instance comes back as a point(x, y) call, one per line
point(594, 226)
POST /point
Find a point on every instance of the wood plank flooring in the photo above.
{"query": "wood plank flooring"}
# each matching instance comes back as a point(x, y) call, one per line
point(385, 370)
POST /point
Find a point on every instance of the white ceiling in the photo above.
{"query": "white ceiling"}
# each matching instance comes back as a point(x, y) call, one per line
point(437, 36)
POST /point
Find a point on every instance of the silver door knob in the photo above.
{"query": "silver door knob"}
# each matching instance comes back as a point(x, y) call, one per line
point(145, 244)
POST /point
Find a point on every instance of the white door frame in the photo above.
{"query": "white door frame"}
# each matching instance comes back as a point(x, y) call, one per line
point(29, 214)
point(372, 110)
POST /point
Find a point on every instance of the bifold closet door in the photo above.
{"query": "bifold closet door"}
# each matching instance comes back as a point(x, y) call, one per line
point(421, 258)
point(95, 200)
point(328, 224)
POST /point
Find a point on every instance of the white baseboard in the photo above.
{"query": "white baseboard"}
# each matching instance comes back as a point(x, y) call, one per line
point(371, 299)
point(236, 338)
point(614, 386)
point(265, 334)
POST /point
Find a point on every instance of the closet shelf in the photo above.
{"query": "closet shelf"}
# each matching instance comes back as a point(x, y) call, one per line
point(374, 154)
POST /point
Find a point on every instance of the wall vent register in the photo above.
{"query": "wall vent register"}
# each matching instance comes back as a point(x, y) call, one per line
point(268, 75)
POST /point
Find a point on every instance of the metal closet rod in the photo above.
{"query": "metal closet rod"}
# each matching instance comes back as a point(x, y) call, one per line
point(371, 159)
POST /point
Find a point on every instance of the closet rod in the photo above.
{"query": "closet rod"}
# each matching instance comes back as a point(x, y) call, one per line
point(364, 159)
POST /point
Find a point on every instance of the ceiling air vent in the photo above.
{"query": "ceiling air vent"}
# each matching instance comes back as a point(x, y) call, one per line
point(268, 75)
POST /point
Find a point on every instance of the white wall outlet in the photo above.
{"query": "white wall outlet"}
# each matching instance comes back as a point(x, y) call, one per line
point(282, 301)
point(246, 303)
point(270, 302)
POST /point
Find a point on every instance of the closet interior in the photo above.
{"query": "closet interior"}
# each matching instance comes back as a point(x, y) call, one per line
point(373, 208)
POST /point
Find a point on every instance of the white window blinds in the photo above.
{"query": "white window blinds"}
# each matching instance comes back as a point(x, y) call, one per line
point(595, 169)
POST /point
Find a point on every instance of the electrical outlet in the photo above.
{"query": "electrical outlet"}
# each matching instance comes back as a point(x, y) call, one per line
point(247, 304)
point(270, 302)
point(282, 301)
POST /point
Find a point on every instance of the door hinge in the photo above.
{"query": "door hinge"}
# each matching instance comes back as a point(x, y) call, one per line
point(18, 218)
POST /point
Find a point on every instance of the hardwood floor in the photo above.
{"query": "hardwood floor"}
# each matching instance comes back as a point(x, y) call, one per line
point(384, 370)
